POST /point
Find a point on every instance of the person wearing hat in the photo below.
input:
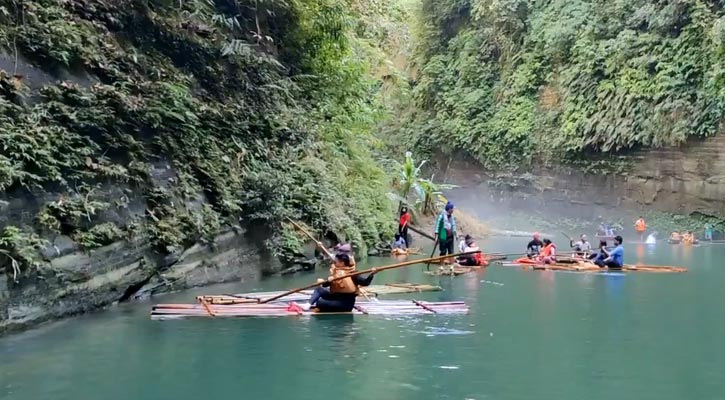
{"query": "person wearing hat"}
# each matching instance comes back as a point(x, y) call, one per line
point(582, 247)
point(534, 246)
point(445, 230)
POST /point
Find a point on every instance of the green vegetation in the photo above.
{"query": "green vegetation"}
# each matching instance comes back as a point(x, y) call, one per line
point(410, 179)
point(264, 109)
point(516, 81)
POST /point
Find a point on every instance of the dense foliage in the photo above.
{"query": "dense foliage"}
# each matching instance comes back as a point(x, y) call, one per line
point(512, 81)
point(263, 108)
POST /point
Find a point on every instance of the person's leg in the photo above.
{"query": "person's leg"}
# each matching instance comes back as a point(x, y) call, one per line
point(599, 262)
point(442, 245)
point(317, 294)
point(450, 245)
point(467, 261)
point(613, 265)
point(404, 234)
point(334, 305)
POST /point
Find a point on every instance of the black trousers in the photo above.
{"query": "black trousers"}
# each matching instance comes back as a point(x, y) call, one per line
point(608, 264)
point(446, 246)
point(403, 231)
point(328, 302)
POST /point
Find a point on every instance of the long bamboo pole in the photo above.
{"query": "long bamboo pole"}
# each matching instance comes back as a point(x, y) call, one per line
point(367, 271)
point(319, 244)
point(421, 232)
point(327, 252)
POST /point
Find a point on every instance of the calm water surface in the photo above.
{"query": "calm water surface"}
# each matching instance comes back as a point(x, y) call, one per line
point(544, 335)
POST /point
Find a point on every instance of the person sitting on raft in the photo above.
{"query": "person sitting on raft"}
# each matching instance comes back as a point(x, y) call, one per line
point(547, 255)
point(601, 255)
point(615, 258)
point(340, 295)
point(688, 238)
point(399, 243)
point(472, 260)
point(582, 247)
point(534, 246)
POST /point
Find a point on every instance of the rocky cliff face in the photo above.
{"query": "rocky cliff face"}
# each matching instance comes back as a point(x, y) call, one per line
point(685, 179)
point(84, 281)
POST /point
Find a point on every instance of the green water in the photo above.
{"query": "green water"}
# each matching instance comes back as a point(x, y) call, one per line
point(530, 334)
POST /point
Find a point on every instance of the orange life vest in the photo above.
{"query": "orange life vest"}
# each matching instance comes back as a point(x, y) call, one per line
point(346, 285)
point(547, 250)
point(640, 225)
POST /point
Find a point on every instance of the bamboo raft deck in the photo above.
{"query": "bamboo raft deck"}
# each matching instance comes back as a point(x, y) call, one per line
point(582, 266)
point(372, 290)
point(389, 307)
point(453, 270)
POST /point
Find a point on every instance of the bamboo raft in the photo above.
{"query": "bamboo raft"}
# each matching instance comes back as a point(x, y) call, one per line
point(583, 266)
point(389, 307)
point(372, 290)
point(453, 270)
point(405, 252)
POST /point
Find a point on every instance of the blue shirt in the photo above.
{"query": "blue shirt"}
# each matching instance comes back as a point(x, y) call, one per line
point(618, 255)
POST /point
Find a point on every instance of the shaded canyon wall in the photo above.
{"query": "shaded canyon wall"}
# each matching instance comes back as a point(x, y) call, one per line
point(685, 179)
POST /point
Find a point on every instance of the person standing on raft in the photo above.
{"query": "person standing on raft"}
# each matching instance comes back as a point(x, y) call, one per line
point(403, 224)
point(534, 246)
point(445, 230)
point(641, 227)
point(340, 295)
point(615, 258)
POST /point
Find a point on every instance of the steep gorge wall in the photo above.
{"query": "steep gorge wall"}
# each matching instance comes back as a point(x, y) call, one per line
point(85, 281)
point(685, 179)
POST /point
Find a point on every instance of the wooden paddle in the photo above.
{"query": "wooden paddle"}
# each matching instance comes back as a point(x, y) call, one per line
point(367, 271)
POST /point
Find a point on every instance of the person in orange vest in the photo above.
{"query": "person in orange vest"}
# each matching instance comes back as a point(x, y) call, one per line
point(641, 227)
point(472, 260)
point(340, 295)
point(547, 255)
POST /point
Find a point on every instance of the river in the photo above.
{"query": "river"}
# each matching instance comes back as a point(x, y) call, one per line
point(530, 334)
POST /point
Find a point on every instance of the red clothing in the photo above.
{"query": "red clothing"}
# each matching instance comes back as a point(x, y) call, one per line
point(404, 219)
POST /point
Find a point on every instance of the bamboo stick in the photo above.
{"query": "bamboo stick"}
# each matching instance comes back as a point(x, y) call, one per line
point(367, 271)
point(421, 232)
point(319, 244)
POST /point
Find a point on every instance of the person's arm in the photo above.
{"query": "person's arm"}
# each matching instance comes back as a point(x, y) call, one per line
point(436, 227)
point(453, 226)
point(360, 281)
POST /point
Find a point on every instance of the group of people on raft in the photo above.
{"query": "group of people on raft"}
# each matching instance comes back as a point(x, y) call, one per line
point(340, 295)
point(544, 251)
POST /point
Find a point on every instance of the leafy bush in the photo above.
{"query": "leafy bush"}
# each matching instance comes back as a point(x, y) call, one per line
point(506, 80)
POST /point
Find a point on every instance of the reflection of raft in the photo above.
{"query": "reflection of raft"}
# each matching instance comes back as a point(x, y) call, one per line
point(389, 307)
point(453, 270)
point(372, 290)
point(584, 266)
